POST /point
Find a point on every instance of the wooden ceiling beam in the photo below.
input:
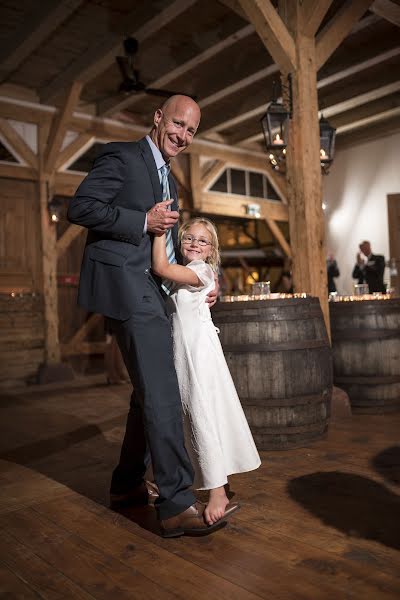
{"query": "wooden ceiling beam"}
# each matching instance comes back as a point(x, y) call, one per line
point(324, 82)
point(69, 235)
point(44, 20)
point(361, 99)
point(59, 127)
point(366, 110)
point(96, 60)
point(18, 172)
point(313, 12)
point(272, 31)
point(377, 131)
point(19, 147)
point(366, 121)
point(208, 178)
point(233, 205)
point(387, 10)
point(239, 85)
point(346, 105)
point(113, 105)
point(234, 5)
point(74, 150)
point(338, 28)
point(275, 230)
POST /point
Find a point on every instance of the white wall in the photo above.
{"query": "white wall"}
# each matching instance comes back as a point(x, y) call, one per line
point(355, 194)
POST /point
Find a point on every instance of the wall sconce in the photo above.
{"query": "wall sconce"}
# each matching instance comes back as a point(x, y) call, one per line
point(55, 207)
point(327, 135)
point(253, 210)
point(275, 125)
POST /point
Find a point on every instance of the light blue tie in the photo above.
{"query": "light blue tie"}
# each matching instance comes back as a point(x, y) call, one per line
point(166, 195)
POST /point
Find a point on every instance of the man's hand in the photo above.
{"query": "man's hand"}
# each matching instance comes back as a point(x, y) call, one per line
point(360, 261)
point(159, 218)
point(212, 296)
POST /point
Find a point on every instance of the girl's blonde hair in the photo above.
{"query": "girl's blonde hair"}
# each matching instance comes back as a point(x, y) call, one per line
point(214, 259)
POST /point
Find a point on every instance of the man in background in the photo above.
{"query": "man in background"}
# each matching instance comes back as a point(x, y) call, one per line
point(370, 268)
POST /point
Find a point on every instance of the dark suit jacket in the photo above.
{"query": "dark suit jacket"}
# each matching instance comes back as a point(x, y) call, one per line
point(112, 202)
point(372, 274)
point(332, 271)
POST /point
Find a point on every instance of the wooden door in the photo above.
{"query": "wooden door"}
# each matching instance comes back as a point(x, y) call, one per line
point(393, 201)
point(20, 246)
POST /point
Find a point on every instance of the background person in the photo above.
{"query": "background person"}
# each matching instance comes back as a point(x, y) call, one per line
point(370, 268)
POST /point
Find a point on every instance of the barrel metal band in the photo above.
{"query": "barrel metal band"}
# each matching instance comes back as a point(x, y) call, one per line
point(310, 399)
point(270, 315)
point(277, 346)
point(365, 380)
point(364, 334)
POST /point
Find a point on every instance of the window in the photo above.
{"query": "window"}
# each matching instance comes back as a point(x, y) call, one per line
point(245, 183)
point(5, 155)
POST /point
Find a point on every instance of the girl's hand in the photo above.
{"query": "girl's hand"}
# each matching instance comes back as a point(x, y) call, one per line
point(212, 296)
point(159, 218)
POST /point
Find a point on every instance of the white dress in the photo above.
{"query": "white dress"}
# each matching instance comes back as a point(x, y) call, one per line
point(217, 435)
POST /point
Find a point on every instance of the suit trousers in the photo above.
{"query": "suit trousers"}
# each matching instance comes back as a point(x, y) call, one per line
point(155, 415)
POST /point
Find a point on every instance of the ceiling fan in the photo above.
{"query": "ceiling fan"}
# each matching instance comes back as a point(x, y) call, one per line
point(131, 82)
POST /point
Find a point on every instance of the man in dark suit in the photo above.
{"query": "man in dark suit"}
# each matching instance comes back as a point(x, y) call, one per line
point(120, 202)
point(371, 270)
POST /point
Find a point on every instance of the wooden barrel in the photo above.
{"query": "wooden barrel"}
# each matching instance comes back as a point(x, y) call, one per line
point(366, 353)
point(279, 356)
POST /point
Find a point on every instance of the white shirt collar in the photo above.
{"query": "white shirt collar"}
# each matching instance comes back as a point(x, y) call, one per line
point(158, 157)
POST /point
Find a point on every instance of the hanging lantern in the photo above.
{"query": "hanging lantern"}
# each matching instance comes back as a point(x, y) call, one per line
point(327, 135)
point(275, 128)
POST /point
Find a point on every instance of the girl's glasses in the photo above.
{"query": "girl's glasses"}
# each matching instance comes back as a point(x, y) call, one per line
point(190, 239)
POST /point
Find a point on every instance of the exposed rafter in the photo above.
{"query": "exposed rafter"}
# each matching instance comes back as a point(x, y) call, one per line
point(101, 56)
point(59, 127)
point(46, 17)
point(113, 105)
point(338, 28)
point(239, 85)
point(324, 82)
point(272, 31)
point(313, 12)
point(376, 118)
point(74, 150)
point(380, 92)
point(271, 69)
point(19, 147)
point(387, 10)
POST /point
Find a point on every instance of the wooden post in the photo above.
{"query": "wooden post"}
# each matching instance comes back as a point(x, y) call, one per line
point(306, 221)
point(49, 259)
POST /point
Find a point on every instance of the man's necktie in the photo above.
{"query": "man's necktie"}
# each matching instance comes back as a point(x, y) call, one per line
point(166, 195)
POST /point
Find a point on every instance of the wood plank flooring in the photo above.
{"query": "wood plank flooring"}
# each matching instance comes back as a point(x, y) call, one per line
point(321, 522)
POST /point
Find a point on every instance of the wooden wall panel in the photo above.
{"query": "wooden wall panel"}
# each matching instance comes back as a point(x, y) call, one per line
point(21, 338)
point(20, 248)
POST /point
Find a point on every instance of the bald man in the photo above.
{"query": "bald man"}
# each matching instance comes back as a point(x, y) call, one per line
point(121, 204)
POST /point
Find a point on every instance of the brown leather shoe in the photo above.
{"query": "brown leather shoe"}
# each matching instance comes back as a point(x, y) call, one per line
point(146, 493)
point(189, 522)
point(138, 496)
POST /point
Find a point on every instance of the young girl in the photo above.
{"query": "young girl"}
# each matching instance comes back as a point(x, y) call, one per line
point(217, 435)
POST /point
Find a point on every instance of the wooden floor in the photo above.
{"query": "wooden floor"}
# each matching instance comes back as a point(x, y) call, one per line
point(317, 523)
